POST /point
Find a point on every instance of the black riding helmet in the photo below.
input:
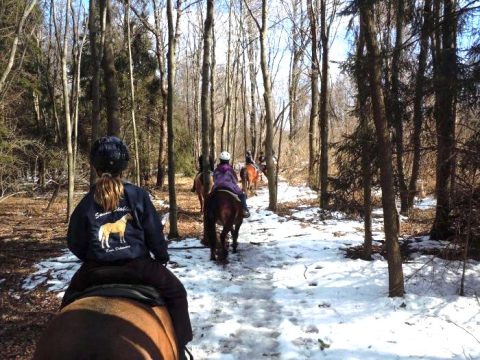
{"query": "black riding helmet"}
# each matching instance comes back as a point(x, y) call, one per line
point(109, 154)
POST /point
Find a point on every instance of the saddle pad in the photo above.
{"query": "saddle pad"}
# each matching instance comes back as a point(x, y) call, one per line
point(145, 294)
point(231, 193)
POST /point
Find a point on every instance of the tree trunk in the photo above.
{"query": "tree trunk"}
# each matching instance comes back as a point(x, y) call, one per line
point(418, 101)
point(396, 106)
point(95, 84)
point(18, 32)
point(269, 116)
point(206, 109)
point(395, 272)
point(212, 94)
point(171, 67)
point(251, 51)
point(63, 51)
point(323, 109)
point(109, 72)
point(132, 93)
point(161, 165)
point(314, 95)
point(295, 70)
point(445, 95)
point(362, 98)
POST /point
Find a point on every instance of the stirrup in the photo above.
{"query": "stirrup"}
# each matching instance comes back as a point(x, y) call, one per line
point(246, 213)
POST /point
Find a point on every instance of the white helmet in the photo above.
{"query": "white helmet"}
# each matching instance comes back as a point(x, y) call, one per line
point(225, 156)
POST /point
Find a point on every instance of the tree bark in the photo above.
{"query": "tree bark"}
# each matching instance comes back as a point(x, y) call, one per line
point(159, 53)
point(251, 51)
point(314, 95)
point(132, 93)
point(390, 216)
point(397, 109)
point(323, 109)
point(362, 98)
point(418, 101)
point(95, 84)
point(171, 67)
point(63, 51)
point(206, 109)
point(269, 116)
point(18, 32)
point(109, 72)
point(445, 99)
point(212, 129)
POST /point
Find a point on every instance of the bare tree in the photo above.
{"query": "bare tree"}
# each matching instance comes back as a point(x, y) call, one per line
point(267, 96)
point(212, 130)
point(95, 84)
point(390, 216)
point(206, 109)
point(173, 34)
point(62, 47)
point(396, 106)
point(109, 72)
point(420, 82)
point(252, 70)
point(445, 79)
point(362, 98)
point(132, 93)
point(312, 16)
point(228, 90)
point(299, 42)
point(13, 50)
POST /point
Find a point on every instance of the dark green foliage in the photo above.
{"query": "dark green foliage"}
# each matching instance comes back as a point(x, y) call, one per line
point(347, 186)
point(184, 161)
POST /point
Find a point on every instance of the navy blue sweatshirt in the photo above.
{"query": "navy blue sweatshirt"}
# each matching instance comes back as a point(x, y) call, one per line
point(131, 231)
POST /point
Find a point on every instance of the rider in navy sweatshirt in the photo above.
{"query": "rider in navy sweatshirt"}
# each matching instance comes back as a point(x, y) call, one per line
point(117, 224)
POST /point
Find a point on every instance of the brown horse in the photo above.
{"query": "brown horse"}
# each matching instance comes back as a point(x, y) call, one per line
point(250, 176)
point(108, 328)
point(199, 188)
point(222, 207)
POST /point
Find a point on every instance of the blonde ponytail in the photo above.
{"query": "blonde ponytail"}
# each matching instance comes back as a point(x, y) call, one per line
point(108, 191)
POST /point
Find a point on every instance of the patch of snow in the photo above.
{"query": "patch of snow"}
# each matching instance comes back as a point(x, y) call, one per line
point(289, 293)
point(426, 203)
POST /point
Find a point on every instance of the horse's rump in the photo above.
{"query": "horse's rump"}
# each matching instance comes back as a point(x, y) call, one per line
point(222, 208)
point(108, 328)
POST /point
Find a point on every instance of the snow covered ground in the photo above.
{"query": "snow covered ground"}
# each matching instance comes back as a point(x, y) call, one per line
point(290, 293)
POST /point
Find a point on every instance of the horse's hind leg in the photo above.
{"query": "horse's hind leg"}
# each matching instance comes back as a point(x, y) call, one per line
point(223, 240)
point(200, 199)
point(235, 231)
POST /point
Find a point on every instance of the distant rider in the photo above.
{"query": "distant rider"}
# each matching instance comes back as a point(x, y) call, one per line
point(249, 160)
point(200, 168)
point(225, 177)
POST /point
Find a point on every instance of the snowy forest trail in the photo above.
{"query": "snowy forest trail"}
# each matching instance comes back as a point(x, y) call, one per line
point(290, 293)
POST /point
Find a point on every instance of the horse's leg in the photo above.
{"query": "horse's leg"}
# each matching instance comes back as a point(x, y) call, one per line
point(200, 199)
point(235, 230)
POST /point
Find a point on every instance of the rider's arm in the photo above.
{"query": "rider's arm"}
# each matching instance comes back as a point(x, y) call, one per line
point(77, 235)
point(153, 230)
point(234, 174)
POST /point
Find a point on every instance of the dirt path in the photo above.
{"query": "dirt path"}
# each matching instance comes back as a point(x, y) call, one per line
point(29, 234)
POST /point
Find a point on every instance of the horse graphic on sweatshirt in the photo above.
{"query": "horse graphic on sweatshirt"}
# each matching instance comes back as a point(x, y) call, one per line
point(117, 227)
